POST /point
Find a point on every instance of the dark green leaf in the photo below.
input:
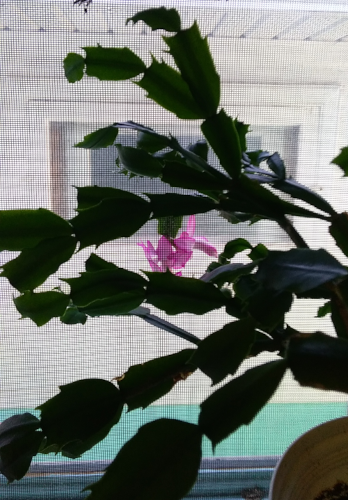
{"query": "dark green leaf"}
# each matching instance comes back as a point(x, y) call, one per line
point(129, 125)
point(151, 142)
point(247, 196)
point(175, 295)
point(228, 273)
point(81, 415)
point(256, 157)
point(45, 450)
point(34, 265)
point(239, 401)
point(90, 196)
point(21, 229)
point(96, 263)
point(139, 161)
point(339, 318)
point(299, 269)
point(321, 292)
point(17, 427)
point(163, 205)
point(215, 265)
point(235, 308)
point(41, 307)
point(242, 130)
point(235, 246)
point(166, 86)
point(15, 459)
point(160, 462)
point(116, 305)
point(164, 156)
point(112, 64)
point(91, 286)
point(198, 163)
point(178, 175)
point(200, 148)
point(324, 309)
point(263, 343)
point(101, 138)
point(342, 160)
point(169, 226)
point(258, 252)
point(261, 178)
point(19, 442)
point(142, 384)
point(237, 217)
point(246, 286)
point(319, 361)
point(296, 190)
point(109, 291)
point(222, 135)
point(192, 56)
point(339, 307)
point(72, 316)
point(140, 311)
point(222, 352)
point(288, 332)
point(276, 164)
point(112, 218)
point(339, 231)
point(268, 307)
point(158, 19)
point(74, 65)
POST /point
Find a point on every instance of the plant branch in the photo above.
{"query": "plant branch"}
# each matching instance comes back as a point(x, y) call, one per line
point(293, 234)
point(154, 320)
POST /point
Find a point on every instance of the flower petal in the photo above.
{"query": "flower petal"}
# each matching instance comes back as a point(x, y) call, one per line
point(164, 249)
point(184, 242)
point(148, 250)
point(179, 259)
point(191, 225)
point(156, 268)
point(151, 256)
point(204, 245)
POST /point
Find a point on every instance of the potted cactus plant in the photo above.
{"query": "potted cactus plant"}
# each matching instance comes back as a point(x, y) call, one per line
point(255, 296)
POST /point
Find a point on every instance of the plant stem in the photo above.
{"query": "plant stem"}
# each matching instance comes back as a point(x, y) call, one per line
point(293, 234)
point(154, 320)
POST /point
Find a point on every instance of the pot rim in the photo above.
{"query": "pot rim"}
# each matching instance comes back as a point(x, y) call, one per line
point(331, 428)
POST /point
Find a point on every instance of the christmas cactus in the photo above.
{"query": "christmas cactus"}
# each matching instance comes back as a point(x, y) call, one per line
point(254, 296)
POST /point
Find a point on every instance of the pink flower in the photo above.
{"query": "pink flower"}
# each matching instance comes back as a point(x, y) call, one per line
point(174, 254)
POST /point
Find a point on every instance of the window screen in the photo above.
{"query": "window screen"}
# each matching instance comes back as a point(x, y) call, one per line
point(284, 67)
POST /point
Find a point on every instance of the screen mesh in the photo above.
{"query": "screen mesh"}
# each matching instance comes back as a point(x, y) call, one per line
point(284, 69)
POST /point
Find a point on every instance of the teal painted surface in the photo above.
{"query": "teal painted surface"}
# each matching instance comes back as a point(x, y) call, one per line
point(271, 432)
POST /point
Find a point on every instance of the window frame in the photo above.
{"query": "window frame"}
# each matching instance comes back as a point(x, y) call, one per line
point(236, 477)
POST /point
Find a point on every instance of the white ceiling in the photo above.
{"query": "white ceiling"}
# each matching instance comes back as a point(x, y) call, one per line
point(264, 20)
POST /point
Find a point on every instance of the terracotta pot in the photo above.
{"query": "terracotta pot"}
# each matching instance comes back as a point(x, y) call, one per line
point(313, 463)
